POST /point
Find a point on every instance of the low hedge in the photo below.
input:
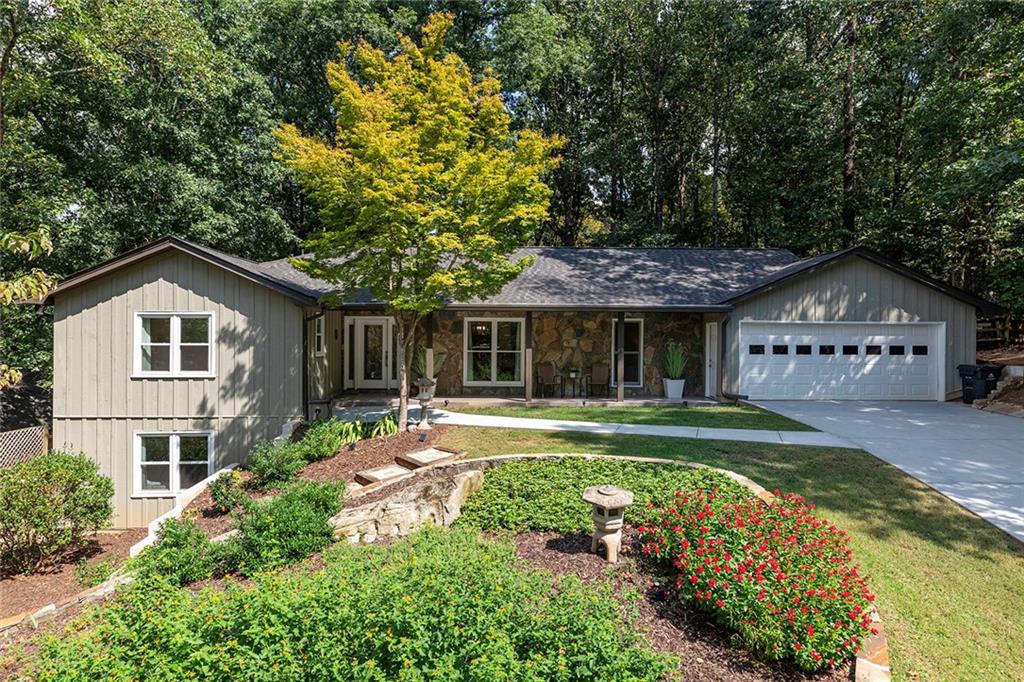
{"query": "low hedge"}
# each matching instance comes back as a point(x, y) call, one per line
point(545, 495)
point(440, 605)
point(47, 507)
point(286, 528)
point(271, 533)
point(777, 574)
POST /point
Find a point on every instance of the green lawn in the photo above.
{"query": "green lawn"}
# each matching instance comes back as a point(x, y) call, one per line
point(950, 586)
point(718, 416)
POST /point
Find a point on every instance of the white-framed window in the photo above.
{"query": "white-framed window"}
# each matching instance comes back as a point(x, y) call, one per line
point(633, 360)
point(319, 342)
point(493, 351)
point(173, 345)
point(165, 463)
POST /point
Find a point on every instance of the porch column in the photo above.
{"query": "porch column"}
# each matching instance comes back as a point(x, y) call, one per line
point(620, 357)
point(528, 357)
point(430, 348)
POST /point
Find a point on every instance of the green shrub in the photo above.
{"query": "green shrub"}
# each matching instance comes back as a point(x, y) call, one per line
point(92, 573)
point(182, 554)
point(440, 605)
point(325, 438)
point(286, 528)
point(275, 463)
point(47, 506)
point(228, 491)
point(546, 494)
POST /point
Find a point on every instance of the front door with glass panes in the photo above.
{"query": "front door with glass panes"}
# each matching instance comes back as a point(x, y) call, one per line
point(374, 349)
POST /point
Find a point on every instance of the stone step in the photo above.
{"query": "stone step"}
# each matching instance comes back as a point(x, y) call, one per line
point(421, 458)
point(380, 474)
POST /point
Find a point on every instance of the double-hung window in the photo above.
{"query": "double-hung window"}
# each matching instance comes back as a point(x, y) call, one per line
point(633, 345)
point(167, 463)
point(173, 345)
point(493, 351)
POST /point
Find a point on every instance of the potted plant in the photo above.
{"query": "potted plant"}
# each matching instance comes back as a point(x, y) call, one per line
point(676, 355)
point(419, 362)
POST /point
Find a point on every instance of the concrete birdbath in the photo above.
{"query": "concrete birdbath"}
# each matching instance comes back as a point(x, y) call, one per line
point(608, 502)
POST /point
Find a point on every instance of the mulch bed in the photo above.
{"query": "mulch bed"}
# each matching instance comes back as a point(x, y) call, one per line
point(1012, 393)
point(367, 454)
point(55, 583)
point(669, 625)
point(1003, 356)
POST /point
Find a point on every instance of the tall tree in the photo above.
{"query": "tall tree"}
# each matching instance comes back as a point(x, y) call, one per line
point(423, 192)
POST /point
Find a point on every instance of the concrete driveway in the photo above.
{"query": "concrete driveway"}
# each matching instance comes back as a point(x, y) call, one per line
point(974, 458)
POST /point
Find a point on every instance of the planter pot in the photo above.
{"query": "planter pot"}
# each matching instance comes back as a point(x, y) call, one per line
point(674, 388)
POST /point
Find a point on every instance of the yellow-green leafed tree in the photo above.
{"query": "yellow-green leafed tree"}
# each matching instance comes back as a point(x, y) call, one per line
point(425, 192)
point(29, 286)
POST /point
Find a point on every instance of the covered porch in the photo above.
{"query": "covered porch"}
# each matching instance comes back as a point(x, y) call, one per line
point(480, 356)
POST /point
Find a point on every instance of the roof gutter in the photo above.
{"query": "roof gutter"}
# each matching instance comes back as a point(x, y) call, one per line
point(483, 307)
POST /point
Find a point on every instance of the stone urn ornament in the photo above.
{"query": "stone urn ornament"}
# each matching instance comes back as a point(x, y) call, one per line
point(609, 502)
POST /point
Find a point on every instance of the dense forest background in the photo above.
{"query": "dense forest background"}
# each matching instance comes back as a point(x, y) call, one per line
point(804, 125)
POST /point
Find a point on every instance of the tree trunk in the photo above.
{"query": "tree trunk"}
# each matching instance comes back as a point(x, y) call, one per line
point(405, 323)
point(849, 136)
point(716, 147)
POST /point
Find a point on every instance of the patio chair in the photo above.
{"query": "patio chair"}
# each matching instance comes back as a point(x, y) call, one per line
point(546, 378)
point(599, 380)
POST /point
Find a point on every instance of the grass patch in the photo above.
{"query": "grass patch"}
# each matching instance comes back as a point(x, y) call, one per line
point(439, 605)
point(950, 586)
point(711, 416)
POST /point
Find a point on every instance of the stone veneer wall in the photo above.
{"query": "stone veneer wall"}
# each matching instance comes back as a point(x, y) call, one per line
point(578, 339)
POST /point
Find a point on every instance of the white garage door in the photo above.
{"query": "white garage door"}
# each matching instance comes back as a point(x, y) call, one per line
point(842, 361)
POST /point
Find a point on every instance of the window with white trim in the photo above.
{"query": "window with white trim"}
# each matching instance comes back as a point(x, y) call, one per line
point(633, 355)
point(167, 463)
point(319, 344)
point(493, 351)
point(173, 345)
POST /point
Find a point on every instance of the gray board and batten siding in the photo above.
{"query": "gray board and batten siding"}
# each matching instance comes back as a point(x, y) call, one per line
point(856, 290)
point(97, 404)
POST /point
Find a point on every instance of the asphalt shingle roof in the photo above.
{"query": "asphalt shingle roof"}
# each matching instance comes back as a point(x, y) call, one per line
point(606, 277)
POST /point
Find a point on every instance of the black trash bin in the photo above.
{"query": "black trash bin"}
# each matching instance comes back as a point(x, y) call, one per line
point(991, 374)
point(973, 381)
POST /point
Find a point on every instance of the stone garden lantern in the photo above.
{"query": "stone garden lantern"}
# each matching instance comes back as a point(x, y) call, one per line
point(424, 397)
point(609, 502)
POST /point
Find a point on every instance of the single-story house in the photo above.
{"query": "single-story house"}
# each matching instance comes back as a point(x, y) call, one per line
point(171, 360)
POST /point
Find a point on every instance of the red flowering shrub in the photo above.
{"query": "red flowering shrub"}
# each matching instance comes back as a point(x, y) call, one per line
point(781, 577)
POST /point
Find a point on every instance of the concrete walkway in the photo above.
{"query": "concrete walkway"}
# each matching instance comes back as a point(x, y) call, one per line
point(975, 458)
point(700, 433)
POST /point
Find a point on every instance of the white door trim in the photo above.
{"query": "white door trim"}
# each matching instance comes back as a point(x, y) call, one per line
point(357, 323)
point(711, 355)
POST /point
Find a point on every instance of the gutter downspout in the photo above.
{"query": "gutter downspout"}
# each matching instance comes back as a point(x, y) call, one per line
point(735, 397)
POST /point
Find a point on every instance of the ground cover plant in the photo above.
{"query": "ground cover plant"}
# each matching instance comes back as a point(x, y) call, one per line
point(717, 416)
point(546, 495)
point(47, 506)
point(908, 537)
point(439, 605)
point(776, 574)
